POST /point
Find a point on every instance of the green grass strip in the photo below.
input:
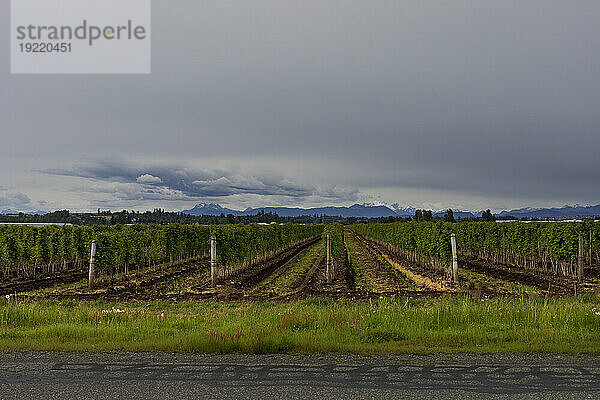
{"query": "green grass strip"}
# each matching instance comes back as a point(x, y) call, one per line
point(386, 326)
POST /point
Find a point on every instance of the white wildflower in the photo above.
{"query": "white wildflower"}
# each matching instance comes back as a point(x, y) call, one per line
point(113, 310)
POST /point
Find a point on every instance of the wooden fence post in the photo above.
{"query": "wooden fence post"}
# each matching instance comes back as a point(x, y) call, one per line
point(590, 261)
point(91, 273)
point(580, 259)
point(329, 271)
point(213, 260)
point(454, 259)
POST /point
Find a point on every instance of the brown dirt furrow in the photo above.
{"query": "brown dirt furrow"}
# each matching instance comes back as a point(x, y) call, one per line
point(592, 271)
point(126, 286)
point(250, 277)
point(345, 279)
point(434, 275)
point(308, 285)
point(553, 284)
point(280, 271)
point(376, 273)
point(20, 286)
point(314, 277)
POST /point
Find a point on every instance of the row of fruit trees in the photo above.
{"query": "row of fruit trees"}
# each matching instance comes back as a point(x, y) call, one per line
point(26, 251)
point(550, 246)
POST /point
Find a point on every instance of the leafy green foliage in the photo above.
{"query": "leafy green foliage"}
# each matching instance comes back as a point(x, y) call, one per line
point(427, 238)
point(336, 232)
point(556, 240)
point(240, 242)
point(141, 245)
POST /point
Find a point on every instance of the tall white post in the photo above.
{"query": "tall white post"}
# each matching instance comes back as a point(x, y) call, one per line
point(454, 259)
point(329, 271)
point(580, 259)
point(213, 260)
point(590, 261)
point(91, 274)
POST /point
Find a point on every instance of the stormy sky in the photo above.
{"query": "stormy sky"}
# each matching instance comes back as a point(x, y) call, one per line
point(462, 104)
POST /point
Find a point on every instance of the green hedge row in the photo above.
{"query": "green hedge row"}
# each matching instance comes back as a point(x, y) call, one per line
point(141, 245)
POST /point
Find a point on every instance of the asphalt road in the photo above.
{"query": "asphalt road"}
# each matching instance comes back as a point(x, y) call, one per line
point(47, 375)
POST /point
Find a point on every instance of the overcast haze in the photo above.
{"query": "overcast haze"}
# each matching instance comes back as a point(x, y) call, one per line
point(462, 104)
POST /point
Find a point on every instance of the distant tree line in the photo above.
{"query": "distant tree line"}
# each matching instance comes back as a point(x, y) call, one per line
point(162, 217)
point(427, 215)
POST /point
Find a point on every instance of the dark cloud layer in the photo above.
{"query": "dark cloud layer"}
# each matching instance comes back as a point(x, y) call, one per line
point(152, 182)
point(14, 200)
point(462, 100)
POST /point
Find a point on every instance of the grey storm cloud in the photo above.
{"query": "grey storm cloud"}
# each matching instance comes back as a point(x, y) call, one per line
point(462, 101)
point(14, 200)
point(149, 179)
point(137, 182)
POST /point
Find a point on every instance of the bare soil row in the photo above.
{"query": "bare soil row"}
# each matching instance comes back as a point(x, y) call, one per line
point(551, 284)
point(365, 269)
point(372, 272)
point(41, 282)
point(482, 277)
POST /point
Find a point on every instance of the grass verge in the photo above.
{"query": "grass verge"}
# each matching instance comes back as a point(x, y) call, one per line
point(402, 325)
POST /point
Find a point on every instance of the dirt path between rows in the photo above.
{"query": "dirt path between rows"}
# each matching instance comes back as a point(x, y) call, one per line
point(372, 272)
point(553, 284)
point(47, 281)
point(250, 278)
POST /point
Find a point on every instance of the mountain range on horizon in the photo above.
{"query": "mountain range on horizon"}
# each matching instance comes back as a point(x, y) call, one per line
point(380, 210)
point(12, 211)
point(394, 210)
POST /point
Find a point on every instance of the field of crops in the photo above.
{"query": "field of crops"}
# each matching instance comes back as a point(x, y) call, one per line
point(544, 255)
point(255, 262)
